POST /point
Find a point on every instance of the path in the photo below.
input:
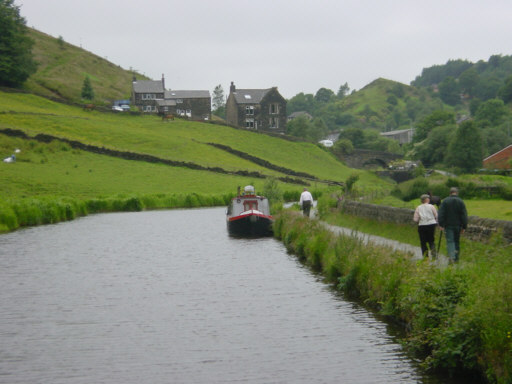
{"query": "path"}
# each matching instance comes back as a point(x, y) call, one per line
point(441, 260)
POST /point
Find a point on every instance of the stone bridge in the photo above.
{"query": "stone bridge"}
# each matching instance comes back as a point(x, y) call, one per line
point(365, 158)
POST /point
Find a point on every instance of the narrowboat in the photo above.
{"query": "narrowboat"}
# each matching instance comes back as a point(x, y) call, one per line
point(249, 214)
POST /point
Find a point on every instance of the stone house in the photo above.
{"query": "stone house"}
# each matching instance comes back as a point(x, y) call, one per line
point(258, 109)
point(195, 105)
point(145, 93)
point(150, 96)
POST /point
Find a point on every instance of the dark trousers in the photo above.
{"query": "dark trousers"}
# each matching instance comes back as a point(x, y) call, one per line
point(427, 235)
point(306, 207)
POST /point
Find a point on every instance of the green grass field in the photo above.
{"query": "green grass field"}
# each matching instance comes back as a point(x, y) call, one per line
point(56, 169)
point(493, 209)
point(62, 68)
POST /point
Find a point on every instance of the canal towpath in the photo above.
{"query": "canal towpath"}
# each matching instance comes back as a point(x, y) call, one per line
point(367, 238)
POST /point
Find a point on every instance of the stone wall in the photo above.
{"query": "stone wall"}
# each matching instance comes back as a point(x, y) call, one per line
point(479, 229)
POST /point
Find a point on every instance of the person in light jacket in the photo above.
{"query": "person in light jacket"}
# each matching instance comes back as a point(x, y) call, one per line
point(426, 217)
point(306, 201)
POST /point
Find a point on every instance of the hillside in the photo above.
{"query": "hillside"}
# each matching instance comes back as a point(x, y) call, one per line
point(387, 104)
point(62, 68)
point(383, 104)
point(188, 161)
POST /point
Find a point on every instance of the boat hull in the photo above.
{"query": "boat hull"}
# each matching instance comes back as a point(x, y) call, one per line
point(251, 224)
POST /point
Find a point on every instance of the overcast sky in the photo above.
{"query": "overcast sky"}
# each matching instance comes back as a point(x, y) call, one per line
point(296, 45)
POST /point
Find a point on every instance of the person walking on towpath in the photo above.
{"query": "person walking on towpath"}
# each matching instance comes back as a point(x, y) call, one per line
point(426, 217)
point(453, 220)
point(306, 201)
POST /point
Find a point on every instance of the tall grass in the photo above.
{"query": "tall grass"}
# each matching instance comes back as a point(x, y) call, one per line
point(457, 319)
point(17, 213)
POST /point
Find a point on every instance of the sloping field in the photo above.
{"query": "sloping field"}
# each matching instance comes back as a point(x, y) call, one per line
point(62, 68)
point(55, 169)
point(177, 140)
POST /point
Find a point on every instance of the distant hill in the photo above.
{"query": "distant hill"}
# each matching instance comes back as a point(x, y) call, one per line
point(383, 104)
point(62, 69)
point(482, 80)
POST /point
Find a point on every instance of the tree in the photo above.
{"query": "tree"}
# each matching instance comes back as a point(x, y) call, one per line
point(343, 147)
point(218, 100)
point(87, 91)
point(355, 135)
point(468, 80)
point(301, 102)
point(465, 150)
point(343, 91)
point(16, 59)
point(505, 92)
point(433, 150)
point(435, 119)
point(318, 129)
point(491, 113)
point(273, 193)
point(324, 95)
point(449, 91)
point(495, 139)
point(60, 41)
point(298, 127)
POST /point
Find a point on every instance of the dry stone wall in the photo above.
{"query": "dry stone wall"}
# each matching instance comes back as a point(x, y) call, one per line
point(479, 229)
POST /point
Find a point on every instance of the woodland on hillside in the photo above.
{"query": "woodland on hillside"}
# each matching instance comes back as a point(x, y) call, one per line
point(479, 95)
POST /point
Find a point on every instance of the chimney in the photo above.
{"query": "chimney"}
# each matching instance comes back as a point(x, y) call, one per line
point(163, 82)
point(232, 88)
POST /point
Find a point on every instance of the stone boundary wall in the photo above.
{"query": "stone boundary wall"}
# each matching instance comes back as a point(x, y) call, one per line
point(45, 138)
point(479, 229)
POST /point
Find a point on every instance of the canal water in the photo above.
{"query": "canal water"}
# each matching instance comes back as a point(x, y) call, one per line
point(170, 297)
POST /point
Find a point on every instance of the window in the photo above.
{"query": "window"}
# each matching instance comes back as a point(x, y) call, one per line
point(149, 108)
point(148, 96)
point(179, 101)
point(249, 123)
point(250, 205)
point(273, 122)
point(273, 109)
point(249, 110)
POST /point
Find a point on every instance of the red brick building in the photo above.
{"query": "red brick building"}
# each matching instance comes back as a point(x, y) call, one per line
point(500, 159)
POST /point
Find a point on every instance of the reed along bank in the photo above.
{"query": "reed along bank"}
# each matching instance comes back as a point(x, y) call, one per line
point(457, 318)
point(24, 212)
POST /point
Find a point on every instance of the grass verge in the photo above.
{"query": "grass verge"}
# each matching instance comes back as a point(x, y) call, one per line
point(17, 213)
point(457, 319)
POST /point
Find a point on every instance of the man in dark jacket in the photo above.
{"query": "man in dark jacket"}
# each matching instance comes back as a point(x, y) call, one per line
point(453, 220)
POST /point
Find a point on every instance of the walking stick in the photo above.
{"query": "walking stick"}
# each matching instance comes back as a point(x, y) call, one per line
point(439, 243)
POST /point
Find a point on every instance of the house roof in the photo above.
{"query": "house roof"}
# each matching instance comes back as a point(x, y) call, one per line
point(148, 86)
point(172, 94)
point(250, 96)
point(500, 152)
point(398, 132)
point(300, 113)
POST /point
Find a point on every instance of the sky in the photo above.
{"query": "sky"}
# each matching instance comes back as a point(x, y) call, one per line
point(295, 45)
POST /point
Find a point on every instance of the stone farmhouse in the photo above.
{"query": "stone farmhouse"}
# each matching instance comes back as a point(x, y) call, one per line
point(150, 96)
point(258, 109)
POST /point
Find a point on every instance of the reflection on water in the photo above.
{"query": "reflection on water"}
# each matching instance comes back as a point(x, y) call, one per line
point(169, 297)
